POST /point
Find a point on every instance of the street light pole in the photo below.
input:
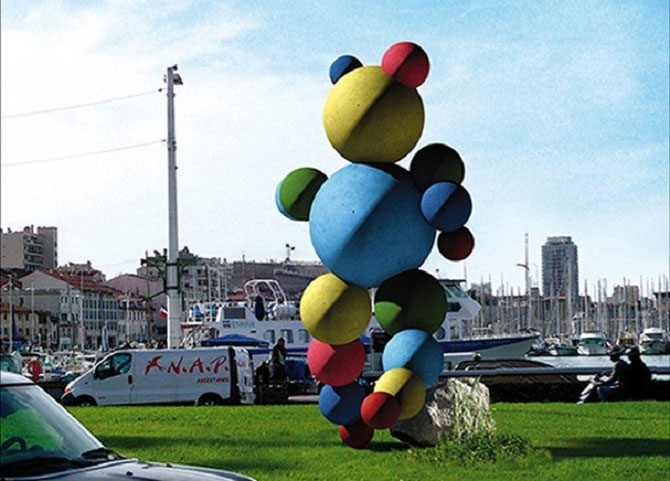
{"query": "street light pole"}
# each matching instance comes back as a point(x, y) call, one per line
point(82, 335)
point(526, 267)
point(174, 304)
point(127, 316)
point(11, 315)
point(32, 309)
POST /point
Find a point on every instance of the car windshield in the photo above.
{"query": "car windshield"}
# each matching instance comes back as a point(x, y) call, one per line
point(39, 436)
point(8, 364)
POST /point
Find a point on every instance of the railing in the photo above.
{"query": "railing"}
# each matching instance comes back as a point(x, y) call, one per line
point(535, 371)
point(530, 371)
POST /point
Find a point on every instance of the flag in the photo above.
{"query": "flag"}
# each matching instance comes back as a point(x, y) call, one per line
point(163, 313)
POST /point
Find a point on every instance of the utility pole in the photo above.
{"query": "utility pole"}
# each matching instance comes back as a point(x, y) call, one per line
point(174, 302)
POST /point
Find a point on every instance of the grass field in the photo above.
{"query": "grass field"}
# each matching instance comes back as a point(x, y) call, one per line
point(627, 441)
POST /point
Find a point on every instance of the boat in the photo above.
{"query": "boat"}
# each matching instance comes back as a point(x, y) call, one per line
point(267, 315)
point(561, 349)
point(592, 343)
point(654, 340)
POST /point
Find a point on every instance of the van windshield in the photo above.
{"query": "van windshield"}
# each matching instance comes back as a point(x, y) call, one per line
point(39, 436)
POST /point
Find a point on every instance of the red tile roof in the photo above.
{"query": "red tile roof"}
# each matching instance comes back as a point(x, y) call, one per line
point(4, 307)
point(79, 281)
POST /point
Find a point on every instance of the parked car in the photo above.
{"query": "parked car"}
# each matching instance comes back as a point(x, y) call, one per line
point(41, 440)
point(9, 363)
point(203, 376)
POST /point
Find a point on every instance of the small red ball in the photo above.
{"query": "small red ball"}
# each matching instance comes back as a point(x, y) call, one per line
point(337, 365)
point(380, 410)
point(407, 63)
point(356, 435)
point(457, 245)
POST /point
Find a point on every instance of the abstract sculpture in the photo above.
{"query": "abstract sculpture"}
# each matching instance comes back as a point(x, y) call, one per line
point(372, 224)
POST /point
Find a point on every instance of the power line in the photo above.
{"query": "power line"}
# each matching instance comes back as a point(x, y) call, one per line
point(86, 154)
point(78, 106)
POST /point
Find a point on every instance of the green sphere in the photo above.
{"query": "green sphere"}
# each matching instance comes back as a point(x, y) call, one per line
point(411, 300)
point(436, 163)
point(297, 191)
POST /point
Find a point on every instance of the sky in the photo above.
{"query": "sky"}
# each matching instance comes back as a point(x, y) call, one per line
point(560, 111)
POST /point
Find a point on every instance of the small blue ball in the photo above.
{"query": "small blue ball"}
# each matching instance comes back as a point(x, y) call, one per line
point(446, 206)
point(342, 66)
point(366, 224)
point(280, 206)
point(417, 351)
point(342, 405)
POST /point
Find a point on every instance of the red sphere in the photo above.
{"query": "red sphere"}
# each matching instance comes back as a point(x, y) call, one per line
point(456, 245)
point(380, 410)
point(356, 435)
point(337, 365)
point(407, 63)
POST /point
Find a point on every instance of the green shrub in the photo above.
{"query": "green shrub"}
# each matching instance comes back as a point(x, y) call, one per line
point(482, 448)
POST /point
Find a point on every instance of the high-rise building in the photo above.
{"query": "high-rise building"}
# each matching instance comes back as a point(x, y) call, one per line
point(30, 250)
point(560, 271)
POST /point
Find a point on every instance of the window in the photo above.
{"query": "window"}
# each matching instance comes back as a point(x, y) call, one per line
point(303, 336)
point(233, 313)
point(269, 335)
point(440, 334)
point(453, 307)
point(113, 366)
point(287, 334)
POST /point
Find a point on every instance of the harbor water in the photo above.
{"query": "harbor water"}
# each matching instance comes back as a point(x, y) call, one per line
point(661, 360)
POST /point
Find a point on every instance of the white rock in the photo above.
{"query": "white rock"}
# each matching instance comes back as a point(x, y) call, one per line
point(434, 421)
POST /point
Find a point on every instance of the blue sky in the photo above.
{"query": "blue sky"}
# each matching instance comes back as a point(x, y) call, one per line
point(559, 109)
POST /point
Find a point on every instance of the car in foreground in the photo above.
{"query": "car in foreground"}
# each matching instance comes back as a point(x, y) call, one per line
point(41, 440)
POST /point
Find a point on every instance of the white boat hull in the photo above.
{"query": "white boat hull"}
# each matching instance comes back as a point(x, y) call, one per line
point(653, 347)
point(591, 350)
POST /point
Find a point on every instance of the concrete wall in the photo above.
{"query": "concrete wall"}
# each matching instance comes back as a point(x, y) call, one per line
point(11, 250)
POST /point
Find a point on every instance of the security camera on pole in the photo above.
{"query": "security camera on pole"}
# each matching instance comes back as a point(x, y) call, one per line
point(174, 302)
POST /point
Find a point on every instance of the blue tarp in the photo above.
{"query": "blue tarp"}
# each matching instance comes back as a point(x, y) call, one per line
point(235, 340)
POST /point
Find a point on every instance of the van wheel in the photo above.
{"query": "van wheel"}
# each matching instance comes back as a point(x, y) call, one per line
point(210, 400)
point(84, 401)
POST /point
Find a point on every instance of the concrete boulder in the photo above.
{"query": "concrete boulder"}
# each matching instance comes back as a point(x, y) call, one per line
point(434, 420)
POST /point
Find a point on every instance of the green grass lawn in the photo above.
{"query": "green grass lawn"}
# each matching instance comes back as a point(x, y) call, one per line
point(628, 441)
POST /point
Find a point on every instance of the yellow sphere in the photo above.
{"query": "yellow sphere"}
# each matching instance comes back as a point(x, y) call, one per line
point(407, 387)
point(412, 398)
point(369, 117)
point(391, 382)
point(333, 311)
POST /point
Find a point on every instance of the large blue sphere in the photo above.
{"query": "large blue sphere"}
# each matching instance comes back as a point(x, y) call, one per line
point(417, 351)
point(342, 405)
point(366, 224)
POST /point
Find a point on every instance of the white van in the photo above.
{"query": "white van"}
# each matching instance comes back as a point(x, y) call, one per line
point(205, 376)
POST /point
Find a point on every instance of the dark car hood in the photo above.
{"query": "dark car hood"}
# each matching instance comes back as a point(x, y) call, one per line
point(134, 470)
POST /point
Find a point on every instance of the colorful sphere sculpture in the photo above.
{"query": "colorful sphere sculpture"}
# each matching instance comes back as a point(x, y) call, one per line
point(373, 224)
